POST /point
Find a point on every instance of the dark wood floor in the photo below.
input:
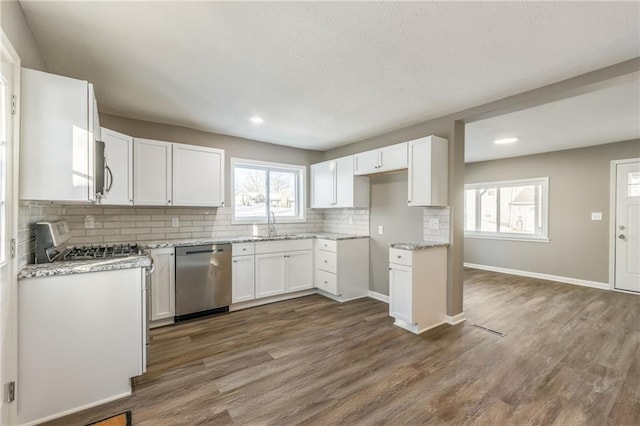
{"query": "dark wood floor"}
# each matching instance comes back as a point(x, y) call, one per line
point(571, 355)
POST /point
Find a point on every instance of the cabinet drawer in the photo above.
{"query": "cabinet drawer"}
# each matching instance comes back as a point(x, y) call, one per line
point(283, 245)
point(326, 261)
point(327, 245)
point(241, 249)
point(327, 281)
point(401, 257)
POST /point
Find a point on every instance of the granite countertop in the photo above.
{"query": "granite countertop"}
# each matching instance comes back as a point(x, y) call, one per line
point(248, 239)
point(418, 245)
point(83, 266)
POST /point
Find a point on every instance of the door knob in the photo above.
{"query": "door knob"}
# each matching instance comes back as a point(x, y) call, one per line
point(621, 236)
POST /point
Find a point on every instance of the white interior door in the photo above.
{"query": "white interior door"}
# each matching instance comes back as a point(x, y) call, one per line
point(9, 119)
point(627, 226)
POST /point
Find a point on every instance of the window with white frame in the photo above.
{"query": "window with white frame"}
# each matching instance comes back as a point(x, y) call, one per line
point(516, 209)
point(260, 188)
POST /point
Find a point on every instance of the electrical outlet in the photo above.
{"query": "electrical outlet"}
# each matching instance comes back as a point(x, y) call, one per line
point(434, 223)
point(596, 215)
point(175, 222)
point(380, 230)
point(89, 222)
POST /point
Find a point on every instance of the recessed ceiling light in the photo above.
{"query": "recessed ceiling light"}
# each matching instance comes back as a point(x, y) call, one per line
point(505, 141)
point(255, 119)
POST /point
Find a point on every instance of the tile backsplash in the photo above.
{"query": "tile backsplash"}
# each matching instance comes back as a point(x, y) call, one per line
point(128, 224)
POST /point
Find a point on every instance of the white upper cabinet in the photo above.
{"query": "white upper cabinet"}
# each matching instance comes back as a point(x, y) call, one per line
point(428, 165)
point(59, 119)
point(386, 159)
point(333, 185)
point(118, 152)
point(151, 172)
point(198, 176)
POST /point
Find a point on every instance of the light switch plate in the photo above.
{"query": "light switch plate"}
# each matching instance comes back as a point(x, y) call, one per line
point(175, 222)
point(434, 223)
point(596, 215)
point(89, 222)
point(380, 230)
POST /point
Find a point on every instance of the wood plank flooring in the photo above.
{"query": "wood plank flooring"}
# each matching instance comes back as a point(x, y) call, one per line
point(571, 356)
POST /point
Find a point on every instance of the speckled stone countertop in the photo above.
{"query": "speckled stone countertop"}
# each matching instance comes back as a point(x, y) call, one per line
point(418, 245)
point(83, 266)
point(248, 239)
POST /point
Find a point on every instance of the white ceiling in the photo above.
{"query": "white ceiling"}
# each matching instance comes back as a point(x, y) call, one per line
point(607, 115)
point(323, 74)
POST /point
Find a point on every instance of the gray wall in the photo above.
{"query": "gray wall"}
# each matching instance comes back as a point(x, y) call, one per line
point(401, 223)
point(233, 146)
point(578, 185)
point(16, 28)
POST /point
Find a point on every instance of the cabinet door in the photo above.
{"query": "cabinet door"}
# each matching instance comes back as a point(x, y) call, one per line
point(163, 284)
point(118, 150)
point(323, 185)
point(270, 274)
point(393, 157)
point(428, 172)
point(367, 162)
point(151, 172)
point(299, 270)
point(344, 182)
point(55, 150)
point(401, 292)
point(242, 279)
point(198, 176)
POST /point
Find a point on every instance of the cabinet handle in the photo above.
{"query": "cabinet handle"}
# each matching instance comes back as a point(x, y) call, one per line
point(222, 203)
point(326, 282)
point(168, 201)
point(235, 261)
point(244, 249)
point(399, 257)
point(389, 268)
point(325, 261)
point(409, 201)
point(131, 201)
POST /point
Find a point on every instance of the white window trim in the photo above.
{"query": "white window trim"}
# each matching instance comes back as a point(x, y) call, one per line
point(541, 238)
point(301, 190)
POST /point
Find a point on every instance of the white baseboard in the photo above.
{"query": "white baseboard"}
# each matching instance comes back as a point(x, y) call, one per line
point(379, 296)
point(266, 300)
point(567, 280)
point(77, 409)
point(455, 319)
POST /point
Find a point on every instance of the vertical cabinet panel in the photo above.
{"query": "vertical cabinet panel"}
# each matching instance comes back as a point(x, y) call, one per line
point(152, 172)
point(344, 178)
point(57, 138)
point(299, 270)
point(198, 176)
point(243, 283)
point(270, 274)
point(401, 292)
point(163, 284)
point(322, 184)
point(119, 160)
point(428, 172)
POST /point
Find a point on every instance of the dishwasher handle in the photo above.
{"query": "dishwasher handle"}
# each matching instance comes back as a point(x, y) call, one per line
point(205, 251)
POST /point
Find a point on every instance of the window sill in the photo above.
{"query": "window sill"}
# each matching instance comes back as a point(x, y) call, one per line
point(509, 238)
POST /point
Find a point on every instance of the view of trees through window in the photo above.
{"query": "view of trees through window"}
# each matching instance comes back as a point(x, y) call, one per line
point(507, 208)
point(259, 190)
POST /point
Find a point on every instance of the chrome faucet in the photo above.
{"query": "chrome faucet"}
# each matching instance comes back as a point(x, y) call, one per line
point(271, 224)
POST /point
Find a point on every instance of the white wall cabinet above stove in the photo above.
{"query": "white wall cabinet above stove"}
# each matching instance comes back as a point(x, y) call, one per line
point(58, 133)
point(151, 172)
point(118, 152)
point(386, 159)
point(333, 185)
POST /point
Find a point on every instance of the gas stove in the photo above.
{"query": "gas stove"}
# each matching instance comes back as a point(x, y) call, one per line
point(101, 252)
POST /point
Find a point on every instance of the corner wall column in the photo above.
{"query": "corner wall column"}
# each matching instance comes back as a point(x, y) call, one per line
point(455, 258)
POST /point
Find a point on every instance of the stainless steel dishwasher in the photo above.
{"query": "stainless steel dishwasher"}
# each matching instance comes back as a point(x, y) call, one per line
point(203, 280)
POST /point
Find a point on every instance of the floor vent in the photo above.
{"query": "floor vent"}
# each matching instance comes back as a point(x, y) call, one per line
point(489, 330)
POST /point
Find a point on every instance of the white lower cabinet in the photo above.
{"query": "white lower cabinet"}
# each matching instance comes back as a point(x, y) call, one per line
point(270, 274)
point(342, 268)
point(242, 279)
point(418, 288)
point(299, 269)
point(163, 287)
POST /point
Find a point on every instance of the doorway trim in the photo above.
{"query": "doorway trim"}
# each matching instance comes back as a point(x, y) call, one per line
point(612, 222)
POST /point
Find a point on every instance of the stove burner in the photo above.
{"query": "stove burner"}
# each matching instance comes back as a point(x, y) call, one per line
point(101, 252)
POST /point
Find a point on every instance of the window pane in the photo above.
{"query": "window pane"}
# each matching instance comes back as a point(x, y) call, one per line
point(518, 209)
point(470, 210)
point(250, 192)
point(633, 184)
point(488, 209)
point(282, 193)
